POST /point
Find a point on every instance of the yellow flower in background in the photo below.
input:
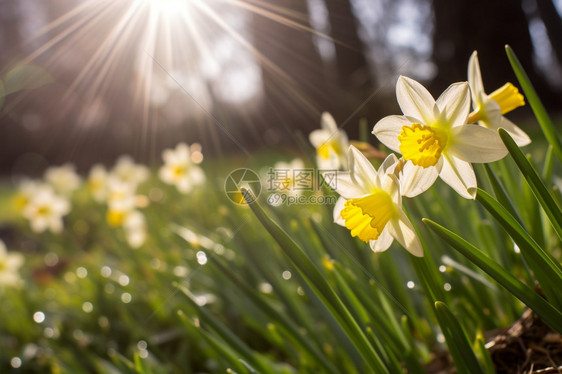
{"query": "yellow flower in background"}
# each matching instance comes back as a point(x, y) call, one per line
point(180, 167)
point(26, 190)
point(64, 179)
point(370, 205)
point(489, 109)
point(10, 263)
point(331, 144)
point(434, 135)
point(45, 211)
point(285, 178)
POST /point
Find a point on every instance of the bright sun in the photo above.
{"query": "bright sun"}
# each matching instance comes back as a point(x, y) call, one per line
point(166, 6)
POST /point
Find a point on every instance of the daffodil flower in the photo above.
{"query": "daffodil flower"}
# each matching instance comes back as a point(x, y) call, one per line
point(97, 183)
point(63, 179)
point(370, 205)
point(180, 170)
point(45, 211)
point(331, 144)
point(489, 109)
point(286, 178)
point(9, 267)
point(434, 135)
point(128, 171)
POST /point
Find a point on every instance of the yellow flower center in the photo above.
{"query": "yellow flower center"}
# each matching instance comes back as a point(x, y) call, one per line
point(115, 218)
point(507, 97)
point(422, 144)
point(43, 210)
point(367, 216)
point(179, 170)
point(325, 149)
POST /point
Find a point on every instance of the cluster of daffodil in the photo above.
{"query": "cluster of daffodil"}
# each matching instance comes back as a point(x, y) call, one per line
point(436, 138)
point(44, 203)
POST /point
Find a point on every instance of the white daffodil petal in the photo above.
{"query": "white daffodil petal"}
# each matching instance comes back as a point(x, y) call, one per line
point(345, 185)
point(388, 129)
point(414, 99)
point(319, 137)
point(454, 104)
point(477, 144)
point(416, 179)
point(475, 79)
point(362, 170)
point(459, 175)
point(390, 184)
point(388, 165)
point(518, 135)
point(338, 207)
point(329, 123)
point(403, 231)
point(383, 242)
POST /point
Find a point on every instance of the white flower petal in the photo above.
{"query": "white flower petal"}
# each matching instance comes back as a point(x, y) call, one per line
point(388, 129)
point(403, 231)
point(518, 135)
point(414, 99)
point(318, 138)
point(388, 165)
point(338, 207)
point(459, 175)
point(475, 143)
point(475, 80)
point(390, 184)
point(362, 171)
point(329, 123)
point(345, 185)
point(416, 179)
point(454, 104)
point(383, 242)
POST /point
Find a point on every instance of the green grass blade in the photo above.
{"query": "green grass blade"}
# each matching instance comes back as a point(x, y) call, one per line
point(322, 288)
point(525, 242)
point(501, 194)
point(548, 164)
point(459, 346)
point(541, 192)
point(533, 300)
point(226, 334)
point(290, 327)
point(535, 103)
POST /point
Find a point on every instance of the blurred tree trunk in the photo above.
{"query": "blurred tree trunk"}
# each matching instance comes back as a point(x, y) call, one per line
point(352, 73)
point(463, 26)
point(553, 24)
point(352, 68)
point(293, 75)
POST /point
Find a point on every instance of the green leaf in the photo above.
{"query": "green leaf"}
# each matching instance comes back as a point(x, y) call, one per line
point(544, 309)
point(26, 77)
point(459, 345)
point(542, 194)
point(501, 194)
point(319, 284)
point(546, 269)
point(535, 103)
